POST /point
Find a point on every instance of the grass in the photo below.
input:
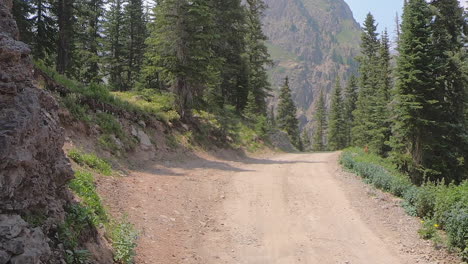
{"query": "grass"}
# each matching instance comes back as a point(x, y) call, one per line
point(90, 160)
point(442, 206)
point(144, 104)
point(227, 128)
point(90, 214)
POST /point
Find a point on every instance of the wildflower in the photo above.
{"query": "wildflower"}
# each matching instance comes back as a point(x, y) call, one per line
point(422, 221)
point(436, 225)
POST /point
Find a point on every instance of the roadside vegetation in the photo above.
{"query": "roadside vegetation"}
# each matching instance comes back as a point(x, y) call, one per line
point(91, 214)
point(441, 206)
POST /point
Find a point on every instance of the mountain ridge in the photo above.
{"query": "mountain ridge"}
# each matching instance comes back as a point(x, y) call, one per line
point(311, 41)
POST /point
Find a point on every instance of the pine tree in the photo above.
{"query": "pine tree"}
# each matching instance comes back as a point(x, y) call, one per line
point(44, 31)
point(135, 34)
point(336, 122)
point(179, 52)
point(449, 130)
point(230, 48)
point(88, 41)
point(351, 95)
point(287, 111)
point(368, 83)
point(65, 19)
point(114, 44)
point(257, 53)
point(380, 128)
point(413, 107)
point(320, 125)
point(22, 12)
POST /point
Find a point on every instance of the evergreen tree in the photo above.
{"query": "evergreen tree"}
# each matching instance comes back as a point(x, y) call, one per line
point(179, 52)
point(351, 96)
point(287, 111)
point(65, 19)
point(44, 31)
point(414, 103)
point(320, 125)
point(336, 122)
point(230, 48)
point(380, 125)
point(88, 41)
point(22, 12)
point(114, 44)
point(257, 53)
point(135, 34)
point(449, 129)
point(368, 83)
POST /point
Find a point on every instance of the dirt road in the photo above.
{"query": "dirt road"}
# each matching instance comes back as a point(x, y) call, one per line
point(291, 208)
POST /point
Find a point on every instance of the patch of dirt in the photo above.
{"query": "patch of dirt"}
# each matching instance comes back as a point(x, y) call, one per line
point(287, 208)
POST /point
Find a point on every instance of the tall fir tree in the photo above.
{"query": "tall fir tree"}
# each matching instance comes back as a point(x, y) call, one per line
point(336, 122)
point(449, 131)
point(257, 54)
point(135, 34)
point(368, 84)
point(64, 10)
point(88, 40)
point(44, 32)
point(413, 108)
point(379, 116)
point(179, 52)
point(22, 12)
point(114, 44)
point(230, 48)
point(320, 117)
point(350, 98)
point(286, 118)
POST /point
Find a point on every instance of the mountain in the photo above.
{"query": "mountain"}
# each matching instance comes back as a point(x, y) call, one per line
point(311, 41)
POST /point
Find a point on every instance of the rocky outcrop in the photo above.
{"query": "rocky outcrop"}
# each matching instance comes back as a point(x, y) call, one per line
point(33, 168)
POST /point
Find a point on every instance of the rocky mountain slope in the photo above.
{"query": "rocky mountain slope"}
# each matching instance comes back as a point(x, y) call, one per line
point(311, 41)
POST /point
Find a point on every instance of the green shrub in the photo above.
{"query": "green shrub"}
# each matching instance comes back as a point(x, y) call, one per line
point(123, 236)
point(456, 225)
point(83, 185)
point(77, 222)
point(90, 160)
point(428, 229)
point(109, 124)
point(426, 200)
point(447, 198)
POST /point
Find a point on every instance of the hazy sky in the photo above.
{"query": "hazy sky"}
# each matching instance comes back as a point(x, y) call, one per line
point(384, 11)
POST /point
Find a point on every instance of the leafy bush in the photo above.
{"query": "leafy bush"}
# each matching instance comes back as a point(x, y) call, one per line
point(90, 160)
point(426, 199)
point(428, 229)
point(124, 238)
point(456, 226)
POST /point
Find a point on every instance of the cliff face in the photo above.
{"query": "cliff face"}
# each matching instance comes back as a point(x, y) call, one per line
point(311, 41)
point(33, 168)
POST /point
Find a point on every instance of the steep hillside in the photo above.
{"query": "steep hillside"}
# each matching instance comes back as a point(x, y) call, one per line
point(311, 41)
